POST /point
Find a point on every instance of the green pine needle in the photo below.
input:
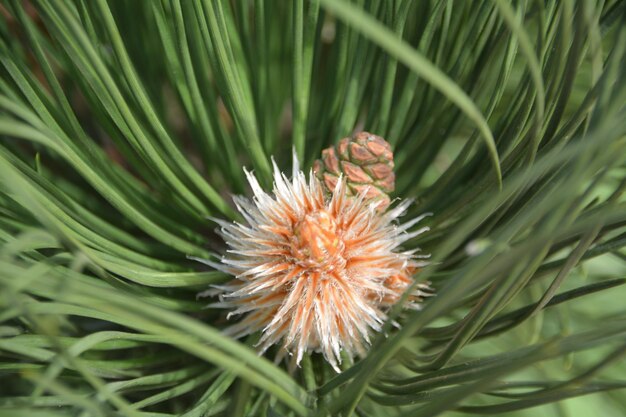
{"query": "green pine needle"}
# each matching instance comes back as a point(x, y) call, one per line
point(124, 127)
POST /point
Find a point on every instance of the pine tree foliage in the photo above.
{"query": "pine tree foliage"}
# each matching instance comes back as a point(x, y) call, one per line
point(124, 126)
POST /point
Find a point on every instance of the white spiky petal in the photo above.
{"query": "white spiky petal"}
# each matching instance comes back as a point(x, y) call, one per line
point(312, 271)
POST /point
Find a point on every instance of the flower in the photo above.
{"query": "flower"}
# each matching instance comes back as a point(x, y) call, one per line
point(315, 271)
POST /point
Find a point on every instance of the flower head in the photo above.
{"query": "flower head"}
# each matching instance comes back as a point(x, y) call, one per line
point(315, 270)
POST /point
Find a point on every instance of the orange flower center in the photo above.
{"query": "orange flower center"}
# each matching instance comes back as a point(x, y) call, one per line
point(316, 240)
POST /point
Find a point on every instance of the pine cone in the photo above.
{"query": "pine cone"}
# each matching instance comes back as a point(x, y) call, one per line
point(366, 160)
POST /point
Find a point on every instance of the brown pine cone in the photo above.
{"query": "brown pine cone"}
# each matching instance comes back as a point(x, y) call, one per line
point(366, 160)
